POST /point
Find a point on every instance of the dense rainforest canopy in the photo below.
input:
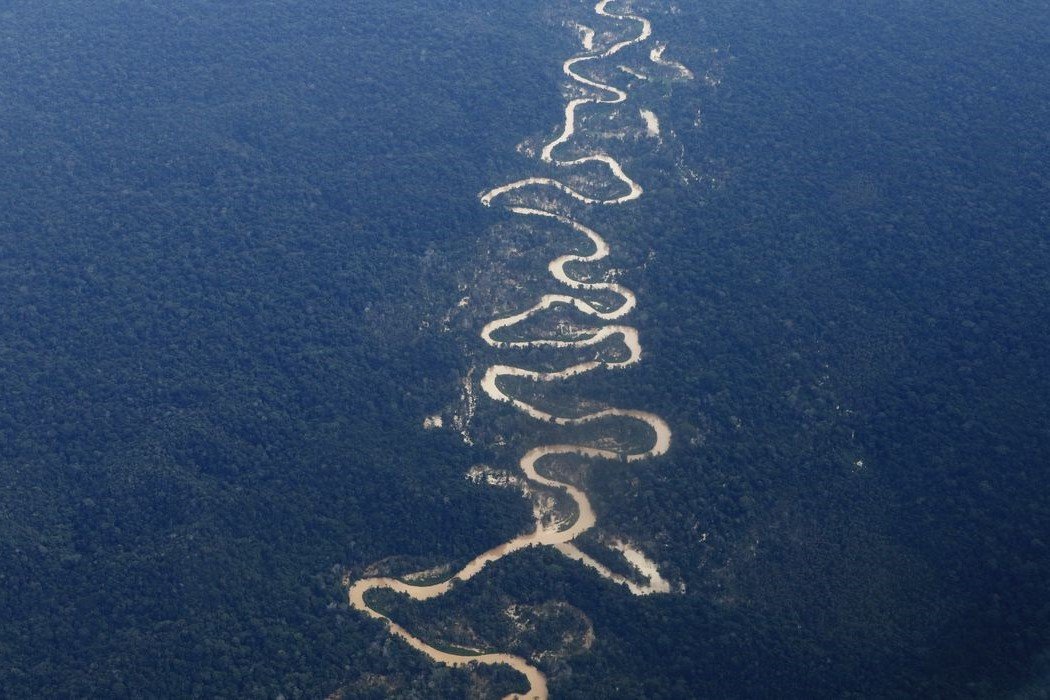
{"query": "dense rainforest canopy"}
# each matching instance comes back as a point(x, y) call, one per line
point(229, 233)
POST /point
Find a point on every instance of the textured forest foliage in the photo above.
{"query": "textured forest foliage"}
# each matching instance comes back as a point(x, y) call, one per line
point(225, 233)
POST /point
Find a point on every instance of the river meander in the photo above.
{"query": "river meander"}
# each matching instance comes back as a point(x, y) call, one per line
point(560, 535)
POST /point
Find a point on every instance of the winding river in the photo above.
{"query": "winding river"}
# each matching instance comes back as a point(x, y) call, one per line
point(560, 536)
